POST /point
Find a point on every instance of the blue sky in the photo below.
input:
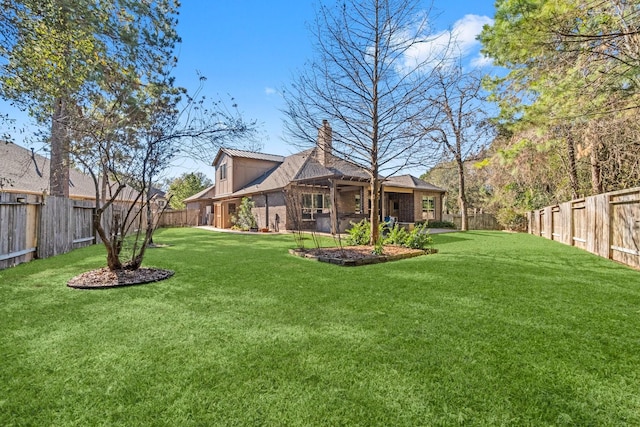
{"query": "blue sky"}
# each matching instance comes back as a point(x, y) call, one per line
point(250, 49)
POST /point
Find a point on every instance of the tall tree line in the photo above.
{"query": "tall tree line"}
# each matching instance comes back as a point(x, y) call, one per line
point(569, 102)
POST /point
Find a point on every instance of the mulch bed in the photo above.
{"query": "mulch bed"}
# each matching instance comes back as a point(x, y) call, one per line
point(358, 255)
point(105, 278)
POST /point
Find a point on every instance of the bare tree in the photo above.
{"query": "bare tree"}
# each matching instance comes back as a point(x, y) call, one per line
point(126, 143)
point(369, 80)
point(462, 128)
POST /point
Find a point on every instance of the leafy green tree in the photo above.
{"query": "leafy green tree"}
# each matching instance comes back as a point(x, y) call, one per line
point(573, 67)
point(63, 54)
point(186, 185)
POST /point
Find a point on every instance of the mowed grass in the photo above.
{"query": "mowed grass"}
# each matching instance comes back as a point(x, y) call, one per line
point(495, 329)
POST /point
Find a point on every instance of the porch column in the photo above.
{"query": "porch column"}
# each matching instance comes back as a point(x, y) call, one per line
point(333, 214)
point(383, 205)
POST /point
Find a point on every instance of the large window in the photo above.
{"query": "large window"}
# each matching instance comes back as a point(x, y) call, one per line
point(358, 208)
point(428, 207)
point(223, 171)
point(313, 204)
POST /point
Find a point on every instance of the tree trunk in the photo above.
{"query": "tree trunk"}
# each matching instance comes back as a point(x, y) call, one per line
point(59, 164)
point(113, 260)
point(374, 213)
point(573, 169)
point(596, 178)
point(462, 198)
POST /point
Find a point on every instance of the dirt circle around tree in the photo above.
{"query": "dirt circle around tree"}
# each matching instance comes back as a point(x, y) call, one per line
point(103, 278)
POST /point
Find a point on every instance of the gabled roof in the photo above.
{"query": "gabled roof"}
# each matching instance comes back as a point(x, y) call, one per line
point(22, 170)
point(204, 194)
point(304, 167)
point(278, 177)
point(410, 181)
point(247, 155)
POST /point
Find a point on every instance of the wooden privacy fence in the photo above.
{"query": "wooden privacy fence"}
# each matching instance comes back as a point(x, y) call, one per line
point(179, 218)
point(477, 221)
point(607, 225)
point(34, 226)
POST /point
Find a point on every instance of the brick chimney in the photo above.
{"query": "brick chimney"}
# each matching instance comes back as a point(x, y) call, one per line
point(325, 144)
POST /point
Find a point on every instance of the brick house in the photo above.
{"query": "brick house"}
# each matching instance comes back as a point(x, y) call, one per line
point(310, 190)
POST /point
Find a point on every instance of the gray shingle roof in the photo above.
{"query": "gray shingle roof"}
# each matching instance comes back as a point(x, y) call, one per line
point(304, 167)
point(204, 194)
point(410, 181)
point(22, 170)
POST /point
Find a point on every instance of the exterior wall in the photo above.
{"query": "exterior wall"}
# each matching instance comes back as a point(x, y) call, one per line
point(418, 205)
point(205, 209)
point(224, 186)
point(270, 210)
point(245, 171)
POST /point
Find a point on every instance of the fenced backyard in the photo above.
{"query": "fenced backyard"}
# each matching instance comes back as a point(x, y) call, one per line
point(607, 225)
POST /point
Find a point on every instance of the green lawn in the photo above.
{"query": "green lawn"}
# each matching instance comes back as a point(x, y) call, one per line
point(495, 329)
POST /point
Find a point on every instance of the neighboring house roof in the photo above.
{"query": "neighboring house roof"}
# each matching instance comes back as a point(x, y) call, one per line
point(410, 181)
point(204, 194)
point(248, 155)
point(22, 170)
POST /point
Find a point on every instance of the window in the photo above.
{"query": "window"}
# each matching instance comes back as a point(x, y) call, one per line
point(358, 208)
point(313, 204)
point(428, 207)
point(223, 171)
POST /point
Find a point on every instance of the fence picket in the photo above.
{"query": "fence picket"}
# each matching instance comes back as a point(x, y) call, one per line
point(607, 225)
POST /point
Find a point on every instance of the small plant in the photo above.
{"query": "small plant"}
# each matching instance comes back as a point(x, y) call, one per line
point(359, 233)
point(419, 238)
point(378, 248)
point(244, 218)
point(396, 236)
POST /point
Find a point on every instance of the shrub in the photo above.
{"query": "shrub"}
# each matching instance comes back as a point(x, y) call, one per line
point(512, 220)
point(244, 218)
point(359, 233)
point(396, 236)
point(419, 238)
point(441, 224)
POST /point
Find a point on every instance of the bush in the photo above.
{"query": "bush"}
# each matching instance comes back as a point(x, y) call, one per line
point(441, 224)
point(396, 236)
point(244, 219)
point(419, 238)
point(359, 233)
point(512, 220)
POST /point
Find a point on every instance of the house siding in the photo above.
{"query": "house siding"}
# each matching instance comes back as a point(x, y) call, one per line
point(224, 186)
point(270, 210)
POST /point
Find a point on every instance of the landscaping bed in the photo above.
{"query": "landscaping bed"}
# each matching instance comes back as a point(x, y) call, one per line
point(351, 256)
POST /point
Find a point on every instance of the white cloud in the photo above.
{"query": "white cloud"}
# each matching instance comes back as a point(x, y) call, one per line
point(481, 61)
point(466, 30)
point(270, 91)
point(459, 41)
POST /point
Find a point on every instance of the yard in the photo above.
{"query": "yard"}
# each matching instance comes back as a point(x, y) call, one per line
point(495, 329)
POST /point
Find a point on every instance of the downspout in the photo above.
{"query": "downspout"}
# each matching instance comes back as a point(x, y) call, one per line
point(266, 209)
